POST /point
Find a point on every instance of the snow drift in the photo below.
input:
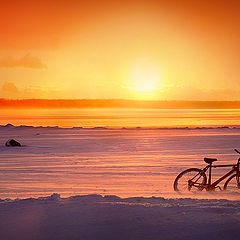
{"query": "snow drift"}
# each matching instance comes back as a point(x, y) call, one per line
point(94, 217)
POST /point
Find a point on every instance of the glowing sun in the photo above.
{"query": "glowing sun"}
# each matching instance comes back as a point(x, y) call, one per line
point(145, 80)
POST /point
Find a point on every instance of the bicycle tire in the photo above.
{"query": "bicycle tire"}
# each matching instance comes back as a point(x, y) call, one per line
point(231, 184)
point(181, 183)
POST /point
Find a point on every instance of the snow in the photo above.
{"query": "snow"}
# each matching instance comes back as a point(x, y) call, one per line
point(111, 217)
point(133, 171)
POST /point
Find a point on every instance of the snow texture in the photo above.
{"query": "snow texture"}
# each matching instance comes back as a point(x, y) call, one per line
point(134, 164)
point(92, 217)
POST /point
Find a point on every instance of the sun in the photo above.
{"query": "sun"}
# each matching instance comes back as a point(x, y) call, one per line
point(145, 79)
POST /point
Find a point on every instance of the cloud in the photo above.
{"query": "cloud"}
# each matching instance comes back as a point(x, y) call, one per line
point(27, 61)
point(9, 88)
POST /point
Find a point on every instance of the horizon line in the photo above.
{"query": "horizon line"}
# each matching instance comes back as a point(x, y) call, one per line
point(118, 103)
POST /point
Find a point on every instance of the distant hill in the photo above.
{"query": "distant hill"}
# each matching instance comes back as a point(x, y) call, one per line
point(116, 103)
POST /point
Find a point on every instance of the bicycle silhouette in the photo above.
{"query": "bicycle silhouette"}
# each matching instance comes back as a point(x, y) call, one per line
point(195, 179)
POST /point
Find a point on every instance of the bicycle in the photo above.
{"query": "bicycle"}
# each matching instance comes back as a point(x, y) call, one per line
point(195, 179)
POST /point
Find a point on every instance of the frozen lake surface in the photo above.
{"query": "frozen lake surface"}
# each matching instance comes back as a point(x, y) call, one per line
point(136, 162)
point(133, 164)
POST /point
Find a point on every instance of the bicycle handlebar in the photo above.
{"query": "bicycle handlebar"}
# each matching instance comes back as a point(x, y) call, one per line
point(236, 151)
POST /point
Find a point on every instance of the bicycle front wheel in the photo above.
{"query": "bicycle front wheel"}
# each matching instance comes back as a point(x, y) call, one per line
point(232, 184)
point(192, 179)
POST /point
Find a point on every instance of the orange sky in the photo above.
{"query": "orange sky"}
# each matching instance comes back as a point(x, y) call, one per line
point(160, 50)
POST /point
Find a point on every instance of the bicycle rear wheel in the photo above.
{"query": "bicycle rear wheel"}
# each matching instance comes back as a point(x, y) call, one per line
point(192, 179)
point(232, 184)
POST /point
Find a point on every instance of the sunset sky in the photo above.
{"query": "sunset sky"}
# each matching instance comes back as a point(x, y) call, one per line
point(135, 49)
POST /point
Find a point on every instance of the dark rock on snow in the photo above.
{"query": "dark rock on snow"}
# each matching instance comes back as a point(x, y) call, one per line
point(12, 143)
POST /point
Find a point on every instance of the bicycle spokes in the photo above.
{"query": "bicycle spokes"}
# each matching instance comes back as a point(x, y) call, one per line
point(190, 180)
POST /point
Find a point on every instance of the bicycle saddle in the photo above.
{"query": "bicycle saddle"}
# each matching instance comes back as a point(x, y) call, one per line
point(210, 160)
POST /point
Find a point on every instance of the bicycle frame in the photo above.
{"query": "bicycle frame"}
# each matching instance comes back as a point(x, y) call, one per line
point(211, 186)
point(195, 178)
